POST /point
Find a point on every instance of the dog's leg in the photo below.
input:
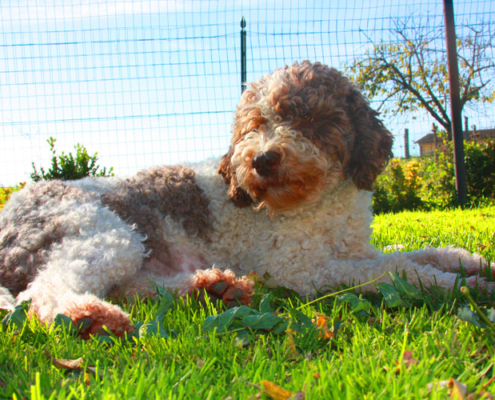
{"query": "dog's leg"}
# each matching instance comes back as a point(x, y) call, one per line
point(218, 285)
point(222, 285)
point(432, 267)
point(451, 259)
point(80, 271)
point(332, 273)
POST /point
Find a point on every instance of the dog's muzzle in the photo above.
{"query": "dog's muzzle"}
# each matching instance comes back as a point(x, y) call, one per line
point(266, 163)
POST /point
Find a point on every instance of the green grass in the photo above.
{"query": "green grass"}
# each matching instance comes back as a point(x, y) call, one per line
point(364, 360)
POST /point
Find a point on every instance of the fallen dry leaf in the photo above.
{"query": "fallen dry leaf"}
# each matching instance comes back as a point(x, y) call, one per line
point(199, 362)
point(408, 358)
point(298, 396)
point(76, 364)
point(72, 365)
point(274, 391)
point(290, 345)
point(458, 390)
point(322, 323)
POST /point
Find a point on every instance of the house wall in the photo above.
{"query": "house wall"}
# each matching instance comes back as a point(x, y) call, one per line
point(426, 148)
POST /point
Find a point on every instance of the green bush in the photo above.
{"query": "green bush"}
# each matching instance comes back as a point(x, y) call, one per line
point(397, 189)
point(480, 169)
point(429, 182)
point(6, 192)
point(67, 167)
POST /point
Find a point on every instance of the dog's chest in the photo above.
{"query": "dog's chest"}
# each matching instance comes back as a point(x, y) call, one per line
point(251, 241)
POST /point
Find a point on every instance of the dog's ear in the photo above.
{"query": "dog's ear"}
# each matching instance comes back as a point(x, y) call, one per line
point(372, 148)
point(239, 196)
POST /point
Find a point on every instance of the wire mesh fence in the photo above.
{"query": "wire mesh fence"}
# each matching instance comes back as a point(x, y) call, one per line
point(147, 82)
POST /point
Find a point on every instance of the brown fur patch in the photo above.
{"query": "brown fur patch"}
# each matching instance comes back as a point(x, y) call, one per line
point(145, 199)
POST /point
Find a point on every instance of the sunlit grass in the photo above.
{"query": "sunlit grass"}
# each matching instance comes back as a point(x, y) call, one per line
point(364, 360)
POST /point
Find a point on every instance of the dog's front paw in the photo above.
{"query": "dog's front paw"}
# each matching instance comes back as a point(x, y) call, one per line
point(223, 285)
point(91, 314)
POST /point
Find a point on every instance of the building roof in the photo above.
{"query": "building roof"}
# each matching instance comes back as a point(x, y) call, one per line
point(468, 135)
point(429, 138)
point(484, 133)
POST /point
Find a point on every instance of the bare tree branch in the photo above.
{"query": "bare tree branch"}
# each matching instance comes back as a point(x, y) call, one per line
point(413, 70)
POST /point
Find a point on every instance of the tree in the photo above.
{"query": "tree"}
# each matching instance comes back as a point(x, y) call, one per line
point(410, 72)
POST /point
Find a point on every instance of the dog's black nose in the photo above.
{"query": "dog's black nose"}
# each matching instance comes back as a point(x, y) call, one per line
point(265, 163)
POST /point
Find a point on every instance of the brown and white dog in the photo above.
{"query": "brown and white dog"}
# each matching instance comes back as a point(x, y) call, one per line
point(290, 198)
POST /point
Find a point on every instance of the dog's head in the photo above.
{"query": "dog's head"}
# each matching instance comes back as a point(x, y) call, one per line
point(298, 131)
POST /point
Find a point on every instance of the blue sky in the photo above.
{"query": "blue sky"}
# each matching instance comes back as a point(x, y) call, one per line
point(156, 82)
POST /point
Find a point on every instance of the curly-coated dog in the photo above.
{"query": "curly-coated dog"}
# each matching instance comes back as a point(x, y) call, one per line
point(290, 198)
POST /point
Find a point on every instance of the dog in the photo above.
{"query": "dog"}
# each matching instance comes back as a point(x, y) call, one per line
point(291, 198)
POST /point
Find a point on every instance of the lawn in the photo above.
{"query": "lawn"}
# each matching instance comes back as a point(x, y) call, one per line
point(355, 348)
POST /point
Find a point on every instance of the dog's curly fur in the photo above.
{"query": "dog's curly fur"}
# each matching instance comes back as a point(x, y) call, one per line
point(290, 198)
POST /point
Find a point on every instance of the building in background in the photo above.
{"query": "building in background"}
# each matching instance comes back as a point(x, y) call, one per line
point(429, 143)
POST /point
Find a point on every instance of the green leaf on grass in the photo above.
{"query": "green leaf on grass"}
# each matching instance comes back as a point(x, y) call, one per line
point(490, 313)
point(104, 339)
point(137, 326)
point(281, 327)
point(300, 321)
point(265, 305)
point(223, 321)
point(266, 321)
point(391, 296)
point(357, 303)
point(245, 317)
point(468, 315)
point(244, 337)
point(166, 302)
point(405, 288)
point(64, 322)
point(18, 316)
point(281, 292)
point(152, 328)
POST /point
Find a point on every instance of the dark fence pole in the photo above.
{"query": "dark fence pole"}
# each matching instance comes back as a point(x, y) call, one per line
point(243, 55)
point(406, 144)
point(455, 103)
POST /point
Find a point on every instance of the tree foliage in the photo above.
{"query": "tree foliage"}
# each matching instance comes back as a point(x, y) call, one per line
point(410, 73)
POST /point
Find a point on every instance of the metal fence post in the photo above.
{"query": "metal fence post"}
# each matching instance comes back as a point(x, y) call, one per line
point(243, 55)
point(406, 144)
point(455, 103)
